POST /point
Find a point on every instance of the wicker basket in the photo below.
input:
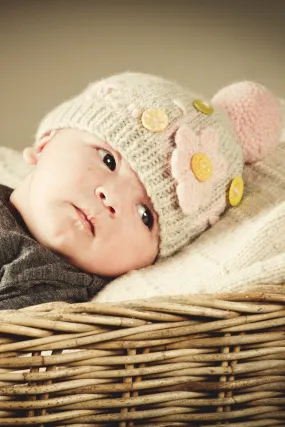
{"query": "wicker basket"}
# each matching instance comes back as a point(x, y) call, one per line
point(179, 361)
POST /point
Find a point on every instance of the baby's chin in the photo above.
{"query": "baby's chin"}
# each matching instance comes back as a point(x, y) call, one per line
point(102, 266)
point(96, 267)
point(60, 240)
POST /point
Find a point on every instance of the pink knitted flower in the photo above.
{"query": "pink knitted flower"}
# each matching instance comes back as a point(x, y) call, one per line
point(193, 153)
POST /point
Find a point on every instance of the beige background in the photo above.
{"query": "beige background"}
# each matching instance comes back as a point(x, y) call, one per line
point(49, 50)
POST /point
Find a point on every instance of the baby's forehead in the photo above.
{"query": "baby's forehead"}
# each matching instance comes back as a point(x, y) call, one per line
point(101, 142)
point(85, 136)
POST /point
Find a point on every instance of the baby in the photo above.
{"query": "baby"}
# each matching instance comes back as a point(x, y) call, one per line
point(125, 174)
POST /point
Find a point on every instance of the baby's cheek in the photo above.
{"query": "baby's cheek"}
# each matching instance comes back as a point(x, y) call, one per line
point(144, 247)
point(77, 180)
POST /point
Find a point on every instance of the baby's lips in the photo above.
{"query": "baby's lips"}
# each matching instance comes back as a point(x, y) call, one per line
point(87, 219)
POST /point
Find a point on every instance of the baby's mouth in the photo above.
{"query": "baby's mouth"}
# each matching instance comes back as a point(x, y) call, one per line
point(87, 224)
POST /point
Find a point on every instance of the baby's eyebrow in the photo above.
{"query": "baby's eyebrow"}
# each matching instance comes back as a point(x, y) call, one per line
point(149, 204)
point(102, 143)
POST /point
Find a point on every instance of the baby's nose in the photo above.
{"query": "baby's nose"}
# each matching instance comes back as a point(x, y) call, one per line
point(108, 201)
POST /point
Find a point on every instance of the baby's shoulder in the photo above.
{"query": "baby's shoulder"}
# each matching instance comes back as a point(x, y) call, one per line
point(10, 219)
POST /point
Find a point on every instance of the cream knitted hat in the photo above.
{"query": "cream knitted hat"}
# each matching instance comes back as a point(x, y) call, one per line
point(188, 153)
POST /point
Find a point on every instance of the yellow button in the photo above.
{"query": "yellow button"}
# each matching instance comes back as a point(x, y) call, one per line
point(202, 167)
point(154, 119)
point(203, 107)
point(236, 191)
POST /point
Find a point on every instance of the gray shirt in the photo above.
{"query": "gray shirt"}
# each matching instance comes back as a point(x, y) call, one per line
point(31, 274)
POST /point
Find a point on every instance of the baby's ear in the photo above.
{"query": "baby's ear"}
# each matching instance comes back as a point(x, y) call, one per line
point(31, 155)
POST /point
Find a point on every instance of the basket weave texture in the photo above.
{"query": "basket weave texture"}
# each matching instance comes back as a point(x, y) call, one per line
point(173, 361)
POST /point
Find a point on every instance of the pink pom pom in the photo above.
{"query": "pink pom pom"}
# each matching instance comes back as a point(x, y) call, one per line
point(256, 117)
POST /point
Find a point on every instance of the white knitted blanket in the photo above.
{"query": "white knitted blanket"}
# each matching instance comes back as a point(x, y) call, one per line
point(244, 250)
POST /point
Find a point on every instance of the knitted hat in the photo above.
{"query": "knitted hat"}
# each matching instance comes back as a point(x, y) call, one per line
point(188, 153)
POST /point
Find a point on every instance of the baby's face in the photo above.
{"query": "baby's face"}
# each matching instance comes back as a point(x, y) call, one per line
point(83, 201)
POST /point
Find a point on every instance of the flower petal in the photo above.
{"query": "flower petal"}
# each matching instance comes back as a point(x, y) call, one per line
point(187, 197)
point(206, 192)
point(220, 166)
point(193, 195)
point(186, 139)
point(209, 142)
point(180, 164)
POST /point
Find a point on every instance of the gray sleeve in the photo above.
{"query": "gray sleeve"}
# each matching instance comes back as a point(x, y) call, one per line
point(43, 293)
point(48, 292)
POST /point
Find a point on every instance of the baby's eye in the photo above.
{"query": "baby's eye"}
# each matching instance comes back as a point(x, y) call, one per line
point(107, 158)
point(146, 215)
